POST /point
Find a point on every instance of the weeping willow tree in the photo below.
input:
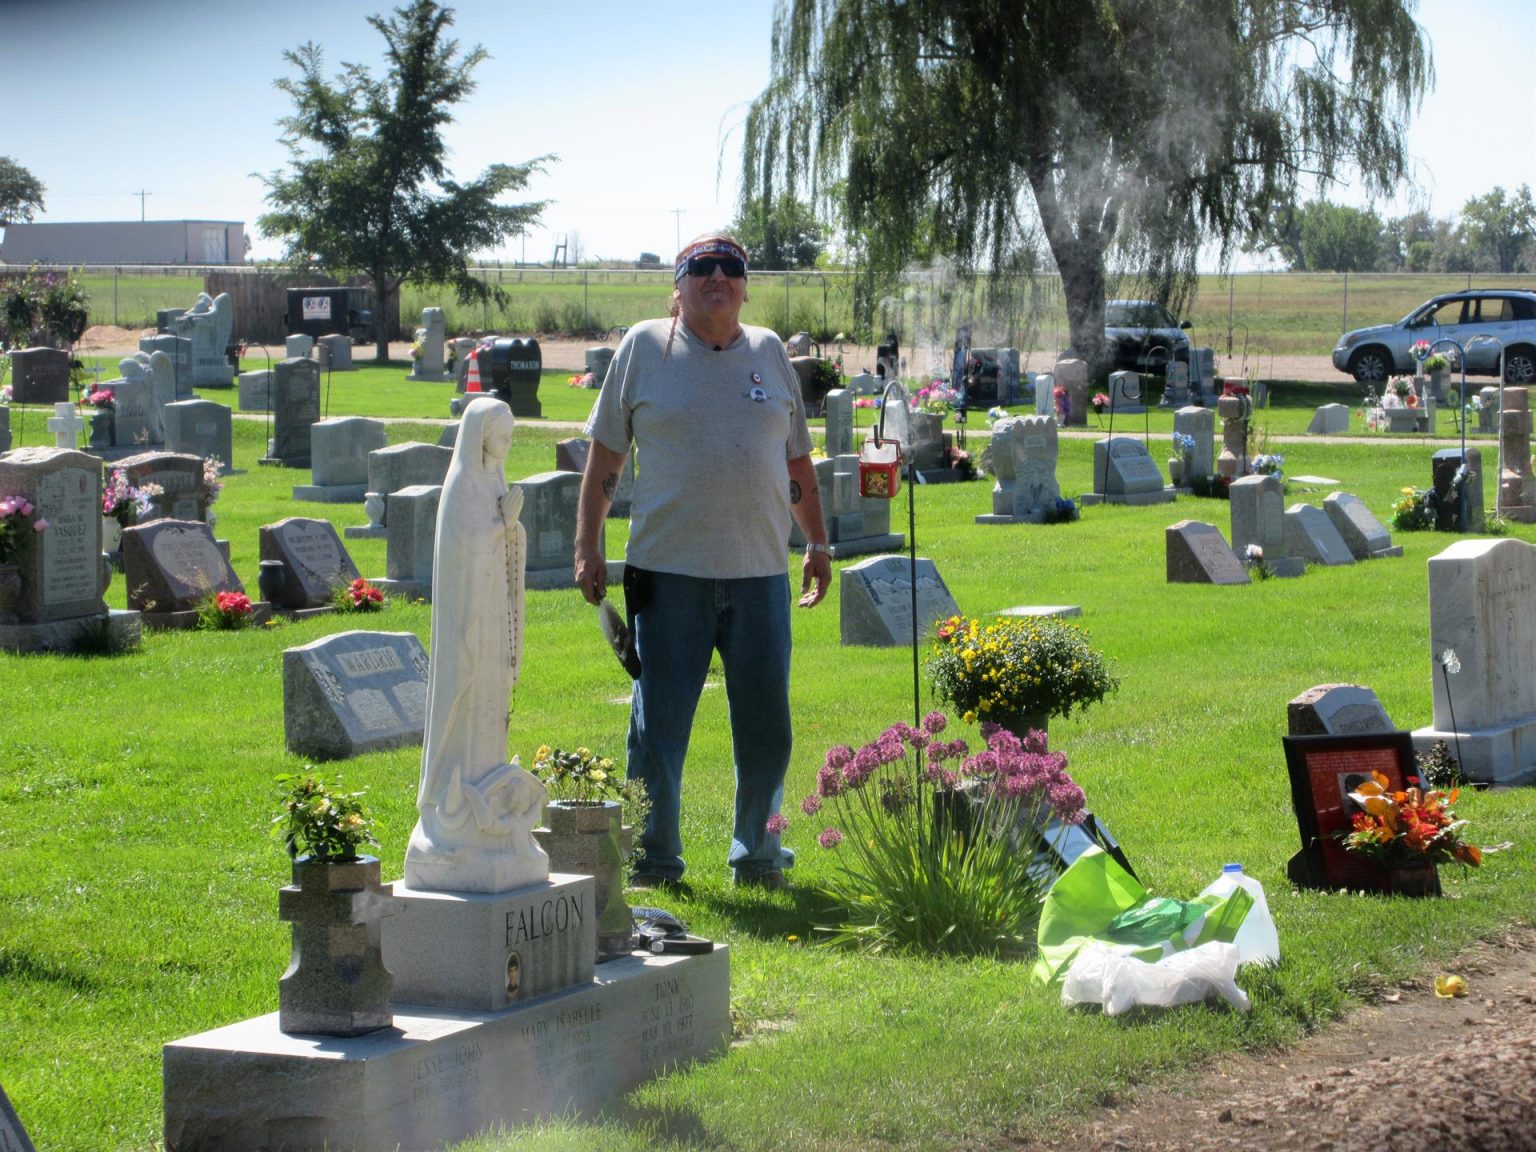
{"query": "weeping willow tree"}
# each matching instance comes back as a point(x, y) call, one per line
point(1119, 136)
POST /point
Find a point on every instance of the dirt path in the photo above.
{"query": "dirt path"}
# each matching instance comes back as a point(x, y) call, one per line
point(1410, 1073)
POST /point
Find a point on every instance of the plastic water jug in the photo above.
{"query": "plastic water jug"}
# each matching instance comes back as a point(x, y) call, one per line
point(1257, 941)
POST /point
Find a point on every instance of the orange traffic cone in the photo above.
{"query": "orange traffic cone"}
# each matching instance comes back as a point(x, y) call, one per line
point(472, 375)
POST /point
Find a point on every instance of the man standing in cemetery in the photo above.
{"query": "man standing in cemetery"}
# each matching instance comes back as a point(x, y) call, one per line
point(714, 413)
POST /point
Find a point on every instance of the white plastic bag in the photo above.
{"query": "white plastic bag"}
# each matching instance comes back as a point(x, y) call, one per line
point(1101, 975)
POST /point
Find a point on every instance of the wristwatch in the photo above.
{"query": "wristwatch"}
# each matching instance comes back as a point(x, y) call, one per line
point(827, 548)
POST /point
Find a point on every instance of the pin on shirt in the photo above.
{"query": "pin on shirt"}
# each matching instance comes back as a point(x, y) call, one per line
point(756, 393)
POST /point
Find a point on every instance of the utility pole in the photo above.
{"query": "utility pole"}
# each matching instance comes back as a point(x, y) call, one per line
point(141, 195)
point(678, 212)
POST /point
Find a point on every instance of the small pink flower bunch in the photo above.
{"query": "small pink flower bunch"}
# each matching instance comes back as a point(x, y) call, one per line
point(212, 466)
point(124, 502)
point(17, 525)
point(103, 400)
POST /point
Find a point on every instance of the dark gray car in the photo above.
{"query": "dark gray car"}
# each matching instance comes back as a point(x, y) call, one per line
point(1143, 336)
point(1483, 322)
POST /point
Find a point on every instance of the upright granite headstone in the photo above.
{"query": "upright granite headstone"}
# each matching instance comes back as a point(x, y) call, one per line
point(255, 390)
point(1175, 385)
point(136, 419)
point(1258, 517)
point(339, 450)
point(596, 361)
point(1045, 389)
point(1125, 395)
point(5, 428)
point(389, 470)
point(876, 601)
point(1310, 534)
point(1073, 376)
point(1235, 409)
point(314, 562)
point(339, 348)
point(62, 574)
point(1000, 453)
point(856, 525)
point(1517, 483)
point(549, 518)
point(298, 346)
point(431, 335)
point(927, 440)
point(1337, 710)
point(209, 325)
point(838, 407)
point(411, 541)
point(1200, 425)
point(1196, 554)
point(39, 376)
point(183, 494)
point(295, 408)
point(1366, 537)
point(1125, 473)
point(354, 692)
point(863, 384)
point(178, 350)
point(201, 428)
point(1458, 492)
point(1481, 636)
point(171, 566)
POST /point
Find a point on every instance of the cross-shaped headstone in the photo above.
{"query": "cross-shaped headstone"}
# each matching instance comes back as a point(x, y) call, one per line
point(65, 424)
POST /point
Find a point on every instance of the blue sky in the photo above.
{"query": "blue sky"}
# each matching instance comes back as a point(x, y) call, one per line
point(642, 102)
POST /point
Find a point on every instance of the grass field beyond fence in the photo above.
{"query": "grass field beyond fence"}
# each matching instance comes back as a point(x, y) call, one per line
point(138, 879)
point(1257, 314)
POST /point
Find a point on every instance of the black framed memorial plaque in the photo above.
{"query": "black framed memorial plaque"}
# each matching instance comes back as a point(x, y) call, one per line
point(1324, 770)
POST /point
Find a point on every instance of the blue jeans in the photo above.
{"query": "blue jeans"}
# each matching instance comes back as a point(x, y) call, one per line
point(685, 620)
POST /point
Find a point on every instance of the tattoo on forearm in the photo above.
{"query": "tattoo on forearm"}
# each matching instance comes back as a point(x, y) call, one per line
point(794, 491)
point(610, 484)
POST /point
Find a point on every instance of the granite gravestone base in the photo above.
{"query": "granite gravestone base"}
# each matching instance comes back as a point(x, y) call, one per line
point(435, 1078)
point(354, 692)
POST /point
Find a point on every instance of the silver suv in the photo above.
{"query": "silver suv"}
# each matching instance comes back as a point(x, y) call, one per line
point(1484, 322)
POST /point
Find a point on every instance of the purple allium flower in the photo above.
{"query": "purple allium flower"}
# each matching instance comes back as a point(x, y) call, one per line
point(830, 838)
point(934, 723)
point(811, 804)
point(777, 823)
point(829, 781)
point(838, 757)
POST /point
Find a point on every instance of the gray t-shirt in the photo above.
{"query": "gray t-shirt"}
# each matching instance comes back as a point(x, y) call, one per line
point(712, 431)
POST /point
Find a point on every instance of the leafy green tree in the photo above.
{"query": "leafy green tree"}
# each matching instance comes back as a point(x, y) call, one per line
point(21, 193)
point(785, 235)
point(1338, 238)
point(369, 189)
point(1090, 124)
point(1499, 227)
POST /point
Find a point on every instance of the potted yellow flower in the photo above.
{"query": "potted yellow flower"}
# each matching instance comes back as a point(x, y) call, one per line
point(1016, 671)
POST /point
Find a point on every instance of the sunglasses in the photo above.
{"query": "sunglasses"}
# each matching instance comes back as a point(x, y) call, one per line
point(733, 267)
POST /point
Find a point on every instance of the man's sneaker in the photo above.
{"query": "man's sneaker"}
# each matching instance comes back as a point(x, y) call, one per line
point(772, 881)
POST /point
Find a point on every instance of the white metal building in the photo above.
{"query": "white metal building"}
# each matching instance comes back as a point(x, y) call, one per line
point(126, 242)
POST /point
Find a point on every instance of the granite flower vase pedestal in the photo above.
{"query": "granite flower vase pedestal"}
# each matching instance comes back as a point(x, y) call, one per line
point(591, 839)
point(101, 429)
point(336, 983)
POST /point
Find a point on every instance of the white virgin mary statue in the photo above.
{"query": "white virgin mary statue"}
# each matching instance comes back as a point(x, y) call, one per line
point(477, 808)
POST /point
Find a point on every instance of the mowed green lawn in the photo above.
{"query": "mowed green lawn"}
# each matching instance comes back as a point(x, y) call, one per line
point(137, 879)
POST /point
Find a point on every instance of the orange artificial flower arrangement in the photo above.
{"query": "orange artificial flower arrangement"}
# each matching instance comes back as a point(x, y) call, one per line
point(1399, 827)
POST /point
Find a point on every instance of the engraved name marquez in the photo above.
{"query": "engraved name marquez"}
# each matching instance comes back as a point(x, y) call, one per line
point(546, 918)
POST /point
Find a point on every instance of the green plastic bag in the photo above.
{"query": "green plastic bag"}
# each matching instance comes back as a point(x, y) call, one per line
point(1096, 899)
